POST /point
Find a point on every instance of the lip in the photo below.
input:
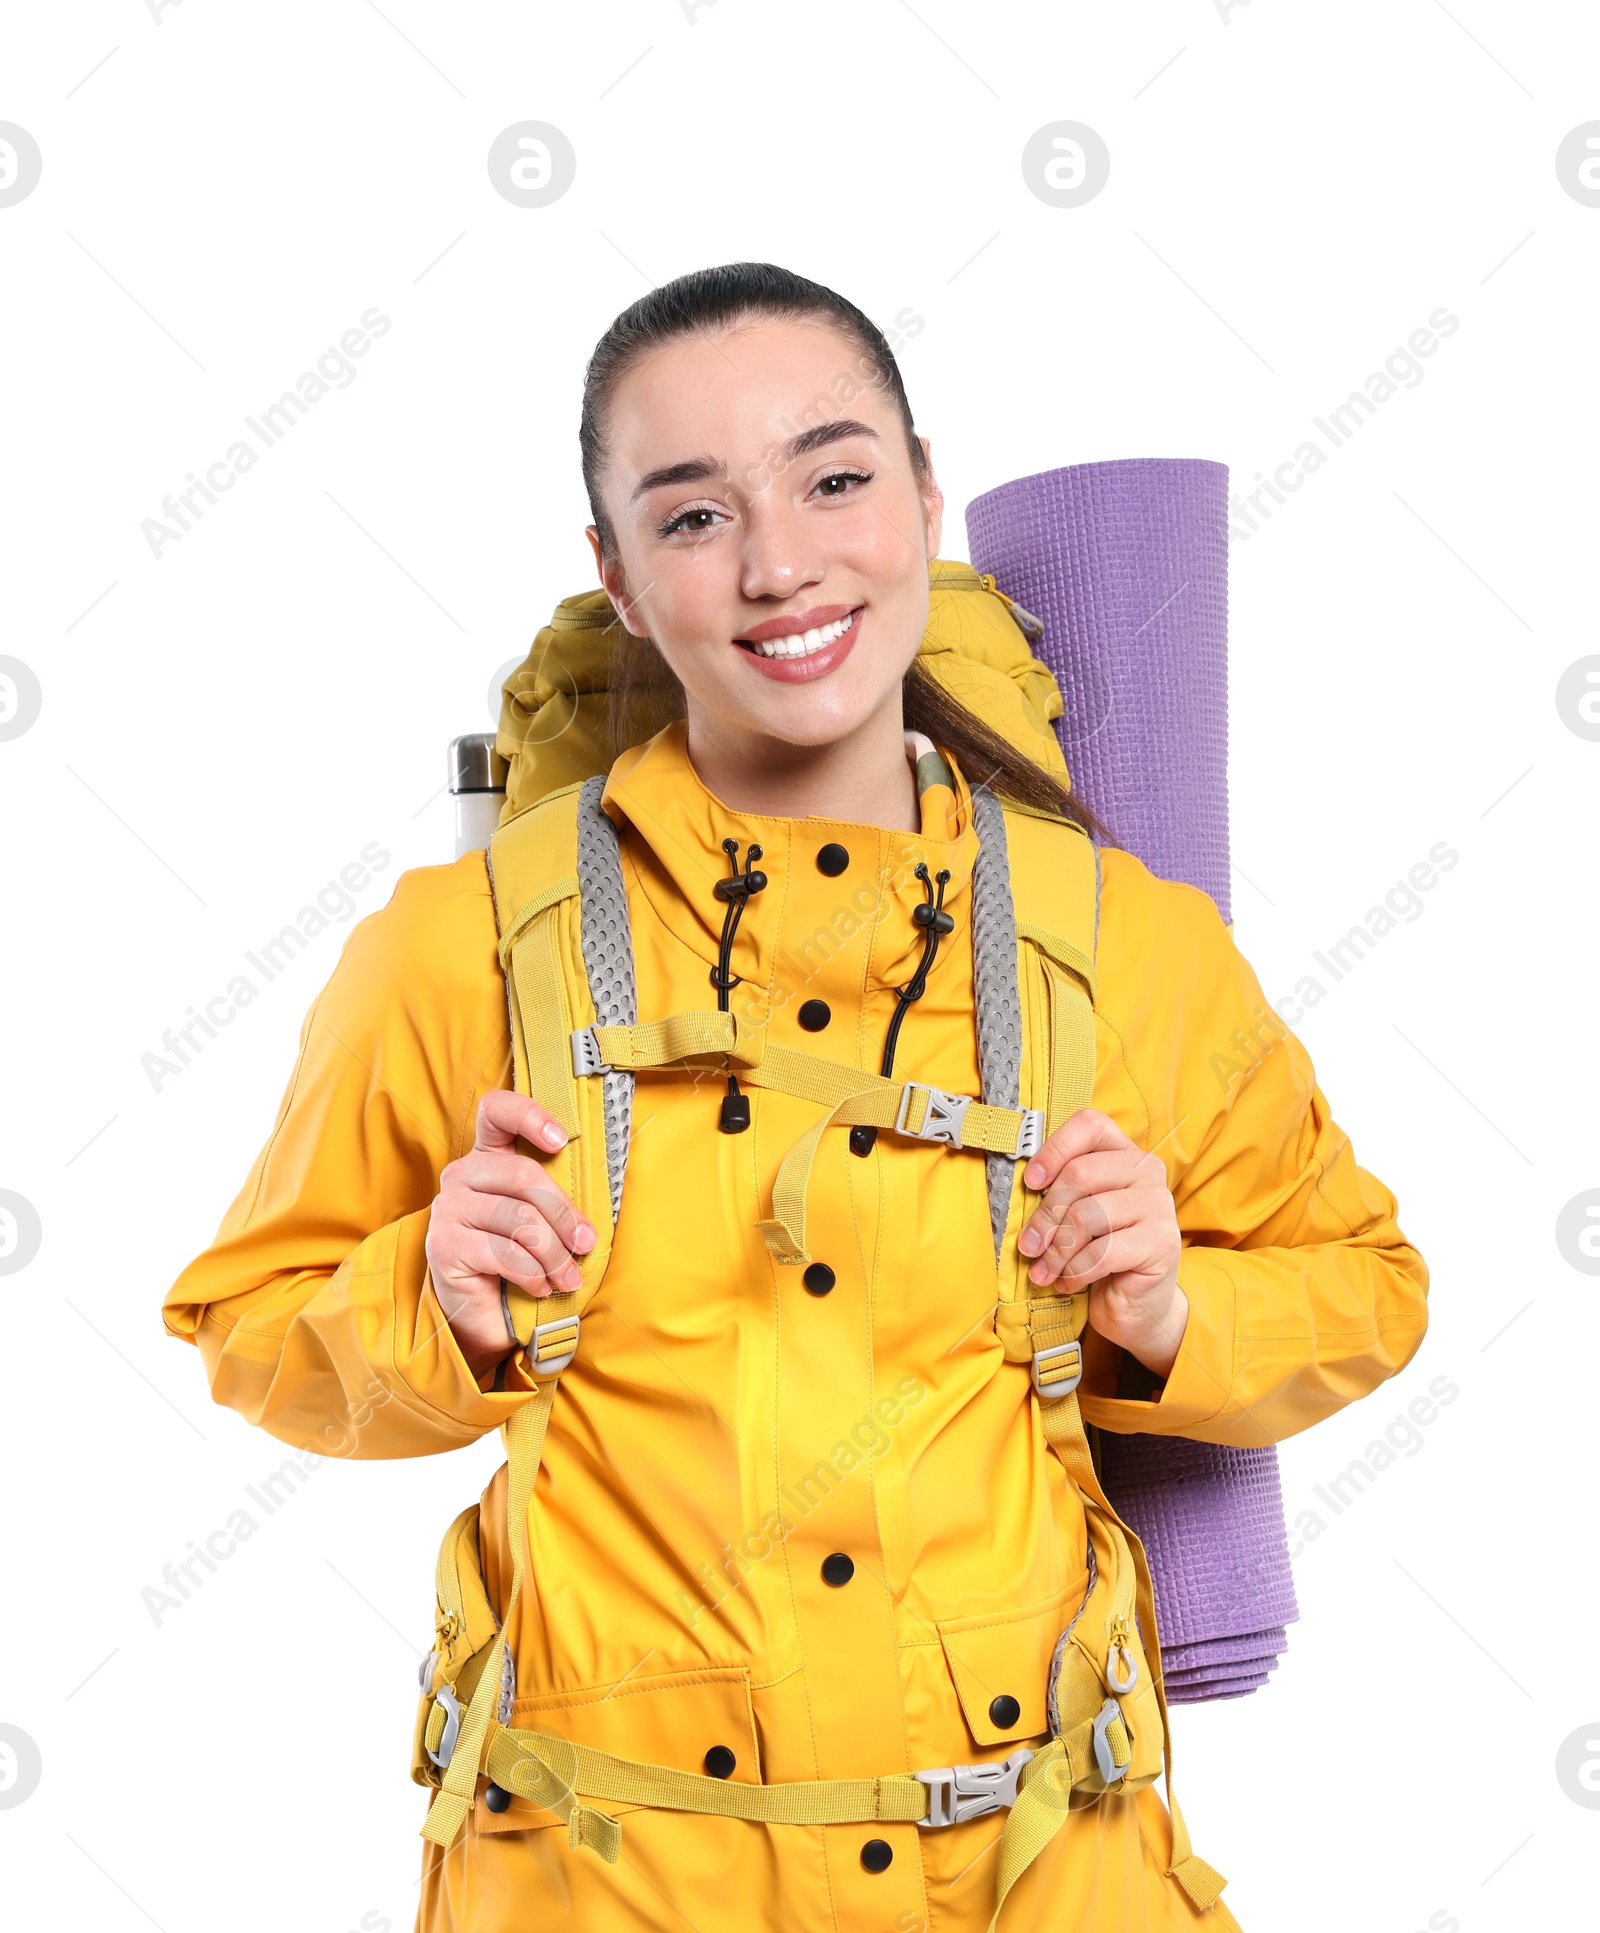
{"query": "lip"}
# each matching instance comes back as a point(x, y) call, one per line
point(795, 622)
point(801, 671)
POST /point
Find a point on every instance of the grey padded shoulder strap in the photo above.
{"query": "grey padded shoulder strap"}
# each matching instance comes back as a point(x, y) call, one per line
point(994, 986)
point(608, 962)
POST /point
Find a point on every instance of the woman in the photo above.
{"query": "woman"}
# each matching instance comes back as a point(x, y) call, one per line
point(1244, 1275)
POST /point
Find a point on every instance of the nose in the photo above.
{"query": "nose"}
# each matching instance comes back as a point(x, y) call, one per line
point(780, 548)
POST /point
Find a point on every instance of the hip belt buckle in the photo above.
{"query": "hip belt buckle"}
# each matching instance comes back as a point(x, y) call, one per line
point(957, 1793)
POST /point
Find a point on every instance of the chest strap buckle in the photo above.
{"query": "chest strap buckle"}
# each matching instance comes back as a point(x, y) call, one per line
point(938, 1115)
point(957, 1793)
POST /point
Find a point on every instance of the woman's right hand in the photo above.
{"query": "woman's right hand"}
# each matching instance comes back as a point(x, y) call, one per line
point(497, 1213)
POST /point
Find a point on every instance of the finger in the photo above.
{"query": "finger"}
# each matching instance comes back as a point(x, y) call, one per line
point(1102, 1169)
point(520, 1222)
point(497, 1173)
point(1083, 1132)
point(1086, 1174)
point(480, 1252)
point(537, 1238)
point(1079, 1222)
point(1080, 1241)
point(1113, 1233)
point(503, 1115)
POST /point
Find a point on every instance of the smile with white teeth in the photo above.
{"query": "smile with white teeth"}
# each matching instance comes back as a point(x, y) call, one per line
point(801, 644)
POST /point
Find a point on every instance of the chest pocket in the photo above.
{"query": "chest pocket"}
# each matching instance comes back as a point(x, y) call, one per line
point(1000, 1667)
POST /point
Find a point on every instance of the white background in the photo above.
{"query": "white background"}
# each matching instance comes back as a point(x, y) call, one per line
point(1294, 190)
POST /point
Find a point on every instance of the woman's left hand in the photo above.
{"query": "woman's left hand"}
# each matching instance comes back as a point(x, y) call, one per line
point(1108, 1219)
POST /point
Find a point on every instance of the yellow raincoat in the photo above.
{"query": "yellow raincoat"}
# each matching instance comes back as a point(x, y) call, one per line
point(730, 1424)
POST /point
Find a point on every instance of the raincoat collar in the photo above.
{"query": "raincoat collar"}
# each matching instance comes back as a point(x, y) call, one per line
point(679, 824)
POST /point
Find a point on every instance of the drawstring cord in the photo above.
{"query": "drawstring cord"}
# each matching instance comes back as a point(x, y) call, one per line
point(935, 923)
point(737, 891)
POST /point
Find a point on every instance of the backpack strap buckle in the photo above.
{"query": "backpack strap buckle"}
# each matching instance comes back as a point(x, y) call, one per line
point(442, 1752)
point(586, 1055)
point(553, 1345)
point(936, 1114)
point(1105, 1746)
point(1058, 1371)
point(957, 1793)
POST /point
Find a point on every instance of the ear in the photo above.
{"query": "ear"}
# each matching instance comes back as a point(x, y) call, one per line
point(932, 502)
point(615, 584)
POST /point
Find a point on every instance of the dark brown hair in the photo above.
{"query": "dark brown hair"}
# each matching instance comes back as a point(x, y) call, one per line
point(714, 299)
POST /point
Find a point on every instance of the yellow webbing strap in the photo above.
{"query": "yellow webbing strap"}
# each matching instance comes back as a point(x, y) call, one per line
point(851, 1096)
point(523, 1432)
point(1072, 1038)
point(680, 1037)
point(1043, 1796)
point(538, 976)
point(550, 1771)
point(1064, 1432)
point(552, 895)
point(1062, 951)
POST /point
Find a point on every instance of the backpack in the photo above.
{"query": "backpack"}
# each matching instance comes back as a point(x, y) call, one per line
point(577, 1041)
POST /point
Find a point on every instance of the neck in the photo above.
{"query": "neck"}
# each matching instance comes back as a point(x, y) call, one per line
point(863, 779)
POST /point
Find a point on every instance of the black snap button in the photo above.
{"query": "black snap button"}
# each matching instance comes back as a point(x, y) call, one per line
point(719, 1762)
point(838, 1569)
point(1004, 1711)
point(863, 1140)
point(876, 1855)
point(832, 860)
point(496, 1798)
point(819, 1278)
point(815, 1015)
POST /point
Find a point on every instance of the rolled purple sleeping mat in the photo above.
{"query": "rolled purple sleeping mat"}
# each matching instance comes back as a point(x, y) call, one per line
point(1126, 566)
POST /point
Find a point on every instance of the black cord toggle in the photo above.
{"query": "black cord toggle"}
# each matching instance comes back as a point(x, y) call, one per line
point(736, 892)
point(935, 923)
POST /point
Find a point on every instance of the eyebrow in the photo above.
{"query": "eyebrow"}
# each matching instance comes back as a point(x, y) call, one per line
point(697, 469)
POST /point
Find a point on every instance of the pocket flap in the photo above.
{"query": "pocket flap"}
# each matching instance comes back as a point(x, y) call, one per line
point(998, 1663)
point(673, 1720)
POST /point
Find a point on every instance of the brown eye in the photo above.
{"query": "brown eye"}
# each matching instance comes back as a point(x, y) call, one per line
point(843, 477)
point(682, 520)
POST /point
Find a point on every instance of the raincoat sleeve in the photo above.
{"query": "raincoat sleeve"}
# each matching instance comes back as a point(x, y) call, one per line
point(1303, 1292)
point(313, 1309)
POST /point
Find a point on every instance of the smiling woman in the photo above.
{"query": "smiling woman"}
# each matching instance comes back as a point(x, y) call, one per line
point(707, 1655)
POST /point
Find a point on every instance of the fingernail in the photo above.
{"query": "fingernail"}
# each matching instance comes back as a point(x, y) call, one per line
point(571, 1278)
point(584, 1240)
point(553, 1135)
point(1032, 1175)
point(1028, 1241)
